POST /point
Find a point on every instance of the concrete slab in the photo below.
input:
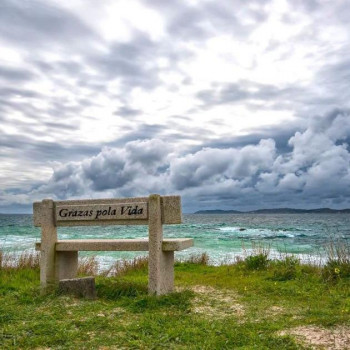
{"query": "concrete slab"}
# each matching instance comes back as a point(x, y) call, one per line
point(79, 287)
point(168, 244)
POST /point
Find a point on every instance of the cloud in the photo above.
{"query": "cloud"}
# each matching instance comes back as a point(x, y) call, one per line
point(218, 165)
point(211, 100)
point(132, 62)
point(195, 22)
point(254, 95)
point(127, 112)
point(112, 169)
point(40, 23)
point(316, 172)
point(15, 75)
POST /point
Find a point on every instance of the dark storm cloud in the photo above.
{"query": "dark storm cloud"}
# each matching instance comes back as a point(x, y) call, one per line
point(127, 112)
point(336, 71)
point(7, 92)
point(111, 169)
point(336, 11)
point(316, 171)
point(37, 116)
point(244, 91)
point(24, 147)
point(15, 74)
point(139, 132)
point(177, 134)
point(280, 134)
point(38, 27)
point(62, 126)
point(309, 5)
point(195, 23)
point(334, 81)
point(204, 166)
point(126, 59)
point(8, 105)
point(134, 62)
point(32, 23)
point(318, 98)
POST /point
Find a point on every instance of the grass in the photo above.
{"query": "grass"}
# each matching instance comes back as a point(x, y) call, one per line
point(25, 260)
point(244, 305)
point(338, 263)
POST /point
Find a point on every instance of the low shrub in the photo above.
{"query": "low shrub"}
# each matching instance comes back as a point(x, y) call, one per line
point(335, 270)
point(338, 262)
point(285, 269)
point(257, 262)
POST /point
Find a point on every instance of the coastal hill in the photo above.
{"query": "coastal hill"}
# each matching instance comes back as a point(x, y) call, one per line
point(276, 211)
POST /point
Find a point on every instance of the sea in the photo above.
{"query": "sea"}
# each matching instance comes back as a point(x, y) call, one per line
point(224, 237)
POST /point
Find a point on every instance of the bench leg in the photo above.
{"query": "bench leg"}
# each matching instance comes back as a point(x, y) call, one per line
point(167, 273)
point(48, 276)
point(160, 263)
point(67, 264)
point(161, 273)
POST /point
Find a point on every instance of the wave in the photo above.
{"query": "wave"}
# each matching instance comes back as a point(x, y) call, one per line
point(238, 232)
point(231, 229)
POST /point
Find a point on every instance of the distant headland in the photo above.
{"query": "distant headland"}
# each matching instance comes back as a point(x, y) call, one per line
point(276, 211)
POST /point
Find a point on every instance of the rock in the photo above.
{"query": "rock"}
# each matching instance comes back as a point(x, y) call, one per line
point(79, 287)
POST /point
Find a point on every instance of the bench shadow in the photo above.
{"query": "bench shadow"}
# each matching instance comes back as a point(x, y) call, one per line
point(134, 296)
point(112, 289)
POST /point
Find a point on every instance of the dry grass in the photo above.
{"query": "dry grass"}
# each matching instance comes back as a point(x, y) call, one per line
point(200, 259)
point(88, 266)
point(121, 267)
point(256, 248)
point(338, 252)
point(28, 260)
point(338, 262)
point(25, 260)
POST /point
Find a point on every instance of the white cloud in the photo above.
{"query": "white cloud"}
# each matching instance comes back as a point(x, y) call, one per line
point(169, 82)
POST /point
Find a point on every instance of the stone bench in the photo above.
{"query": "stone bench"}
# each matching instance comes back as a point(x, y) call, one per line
point(59, 258)
point(67, 251)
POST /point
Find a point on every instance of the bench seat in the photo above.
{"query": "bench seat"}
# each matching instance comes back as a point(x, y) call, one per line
point(168, 244)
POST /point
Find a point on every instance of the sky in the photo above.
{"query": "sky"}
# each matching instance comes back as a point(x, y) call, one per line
point(230, 104)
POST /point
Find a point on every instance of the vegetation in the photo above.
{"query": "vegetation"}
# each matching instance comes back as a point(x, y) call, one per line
point(255, 303)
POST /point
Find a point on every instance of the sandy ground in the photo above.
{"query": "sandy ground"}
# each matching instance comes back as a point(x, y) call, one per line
point(220, 303)
point(337, 338)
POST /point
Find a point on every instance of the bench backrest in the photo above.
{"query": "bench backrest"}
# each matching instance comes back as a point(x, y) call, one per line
point(116, 211)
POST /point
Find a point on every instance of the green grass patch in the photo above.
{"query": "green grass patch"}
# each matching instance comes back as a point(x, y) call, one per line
point(214, 307)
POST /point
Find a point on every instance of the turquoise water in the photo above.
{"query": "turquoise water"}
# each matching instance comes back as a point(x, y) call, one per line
point(222, 236)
